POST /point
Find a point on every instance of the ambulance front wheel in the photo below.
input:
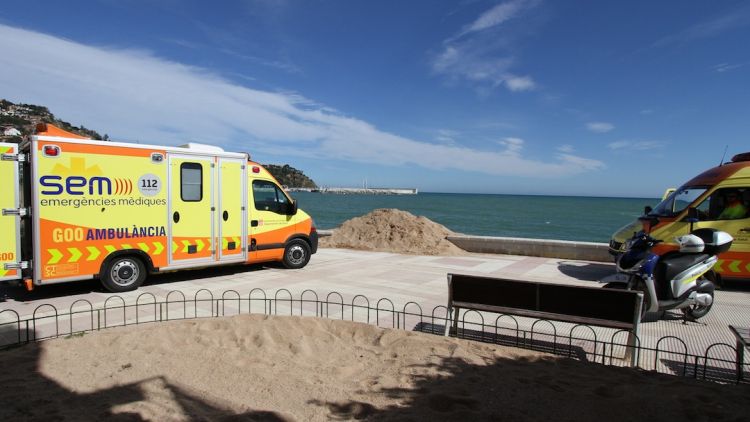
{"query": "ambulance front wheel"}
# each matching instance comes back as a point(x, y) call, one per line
point(296, 254)
point(124, 274)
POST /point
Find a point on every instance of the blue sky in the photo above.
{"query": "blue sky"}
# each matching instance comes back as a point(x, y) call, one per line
point(520, 96)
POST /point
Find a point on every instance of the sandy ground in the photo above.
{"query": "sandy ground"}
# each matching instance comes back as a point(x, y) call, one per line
point(256, 367)
point(263, 368)
point(392, 230)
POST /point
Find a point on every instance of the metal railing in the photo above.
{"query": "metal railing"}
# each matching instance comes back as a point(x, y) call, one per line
point(669, 354)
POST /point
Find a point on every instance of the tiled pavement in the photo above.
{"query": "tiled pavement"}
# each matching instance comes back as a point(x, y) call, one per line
point(376, 275)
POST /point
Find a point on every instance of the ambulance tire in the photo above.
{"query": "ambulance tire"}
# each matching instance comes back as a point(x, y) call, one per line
point(123, 274)
point(296, 254)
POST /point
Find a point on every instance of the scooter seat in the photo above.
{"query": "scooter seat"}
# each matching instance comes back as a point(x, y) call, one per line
point(677, 263)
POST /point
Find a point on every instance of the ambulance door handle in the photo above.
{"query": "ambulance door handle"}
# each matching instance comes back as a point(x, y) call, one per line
point(225, 215)
point(253, 223)
point(176, 217)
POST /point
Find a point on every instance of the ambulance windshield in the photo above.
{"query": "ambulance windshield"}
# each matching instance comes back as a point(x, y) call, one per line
point(677, 201)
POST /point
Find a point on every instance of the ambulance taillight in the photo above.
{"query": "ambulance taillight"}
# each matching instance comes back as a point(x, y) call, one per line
point(51, 150)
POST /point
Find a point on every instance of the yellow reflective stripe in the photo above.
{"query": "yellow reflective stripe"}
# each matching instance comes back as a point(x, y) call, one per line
point(93, 253)
point(56, 256)
point(75, 254)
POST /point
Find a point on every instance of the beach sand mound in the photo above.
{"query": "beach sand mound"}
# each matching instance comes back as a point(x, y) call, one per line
point(272, 368)
point(393, 230)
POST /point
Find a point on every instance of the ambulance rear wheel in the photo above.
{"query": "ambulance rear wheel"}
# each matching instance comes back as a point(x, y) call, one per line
point(296, 254)
point(124, 274)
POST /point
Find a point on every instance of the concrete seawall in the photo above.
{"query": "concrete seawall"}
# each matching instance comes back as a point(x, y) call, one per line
point(585, 251)
point(563, 249)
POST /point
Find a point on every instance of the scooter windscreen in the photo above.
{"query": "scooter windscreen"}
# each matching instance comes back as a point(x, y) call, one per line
point(631, 258)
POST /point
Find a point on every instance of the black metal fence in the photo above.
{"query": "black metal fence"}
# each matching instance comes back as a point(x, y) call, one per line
point(669, 354)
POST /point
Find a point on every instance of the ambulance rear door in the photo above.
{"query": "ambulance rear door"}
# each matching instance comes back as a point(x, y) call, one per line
point(10, 231)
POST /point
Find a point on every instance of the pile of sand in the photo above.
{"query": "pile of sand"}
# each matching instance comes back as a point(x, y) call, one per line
point(392, 230)
point(256, 367)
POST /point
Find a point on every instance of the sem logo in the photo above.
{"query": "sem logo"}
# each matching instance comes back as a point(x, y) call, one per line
point(76, 185)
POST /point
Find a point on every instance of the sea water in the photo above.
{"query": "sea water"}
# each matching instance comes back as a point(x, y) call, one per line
point(589, 219)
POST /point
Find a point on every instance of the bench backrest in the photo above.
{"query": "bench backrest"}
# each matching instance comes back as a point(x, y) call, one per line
point(579, 304)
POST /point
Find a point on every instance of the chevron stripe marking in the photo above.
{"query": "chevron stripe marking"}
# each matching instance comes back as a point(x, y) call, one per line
point(93, 253)
point(735, 266)
point(717, 266)
point(56, 256)
point(144, 247)
point(75, 254)
point(109, 248)
point(158, 248)
point(185, 244)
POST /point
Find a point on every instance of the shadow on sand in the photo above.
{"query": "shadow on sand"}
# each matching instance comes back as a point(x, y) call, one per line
point(28, 394)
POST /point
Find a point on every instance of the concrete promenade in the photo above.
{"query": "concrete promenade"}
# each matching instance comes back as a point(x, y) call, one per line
point(399, 278)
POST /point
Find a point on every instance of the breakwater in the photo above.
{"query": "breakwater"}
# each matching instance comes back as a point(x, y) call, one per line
point(544, 248)
point(361, 191)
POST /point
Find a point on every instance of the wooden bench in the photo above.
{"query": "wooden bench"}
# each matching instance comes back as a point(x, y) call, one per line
point(742, 335)
point(611, 308)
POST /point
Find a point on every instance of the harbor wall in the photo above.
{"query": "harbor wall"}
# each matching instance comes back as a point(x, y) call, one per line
point(546, 248)
point(563, 249)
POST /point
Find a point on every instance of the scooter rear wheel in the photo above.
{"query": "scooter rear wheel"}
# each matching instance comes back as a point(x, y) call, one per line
point(698, 311)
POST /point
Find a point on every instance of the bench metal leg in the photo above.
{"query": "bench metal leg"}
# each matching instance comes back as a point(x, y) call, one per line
point(448, 320)
point(740, 359)
point(451, 317)
point(631, 351)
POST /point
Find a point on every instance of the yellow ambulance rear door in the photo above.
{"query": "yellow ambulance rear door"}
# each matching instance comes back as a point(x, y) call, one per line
point(10, 233)
point(232, 236)
point(191, 209)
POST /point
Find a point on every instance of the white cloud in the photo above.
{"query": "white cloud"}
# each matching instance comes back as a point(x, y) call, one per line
point(480, 53)
point(733, 19)
point(599, 127)
point(446, 136)
point(725, 67)
point(566, 148)
point(497, 15)
point(513, 146)
point(134, 95)
point(519, 83)
point(635, 145)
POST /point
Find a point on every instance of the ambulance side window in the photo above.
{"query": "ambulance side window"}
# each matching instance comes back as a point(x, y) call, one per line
point(725, 204)
point(191, 182)
point(268, 197)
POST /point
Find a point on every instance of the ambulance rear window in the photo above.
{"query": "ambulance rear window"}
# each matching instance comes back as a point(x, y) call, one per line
point(191, 182)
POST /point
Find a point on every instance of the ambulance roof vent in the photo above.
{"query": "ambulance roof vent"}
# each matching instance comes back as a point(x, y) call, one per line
point(745, 156)
point(201, 147)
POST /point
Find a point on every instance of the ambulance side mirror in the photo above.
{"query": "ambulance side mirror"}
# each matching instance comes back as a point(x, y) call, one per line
point(292, 208)
point(692, 215)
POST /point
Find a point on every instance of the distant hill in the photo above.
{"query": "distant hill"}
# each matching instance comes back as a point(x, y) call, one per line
point(290, 176)
point(24, 117)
